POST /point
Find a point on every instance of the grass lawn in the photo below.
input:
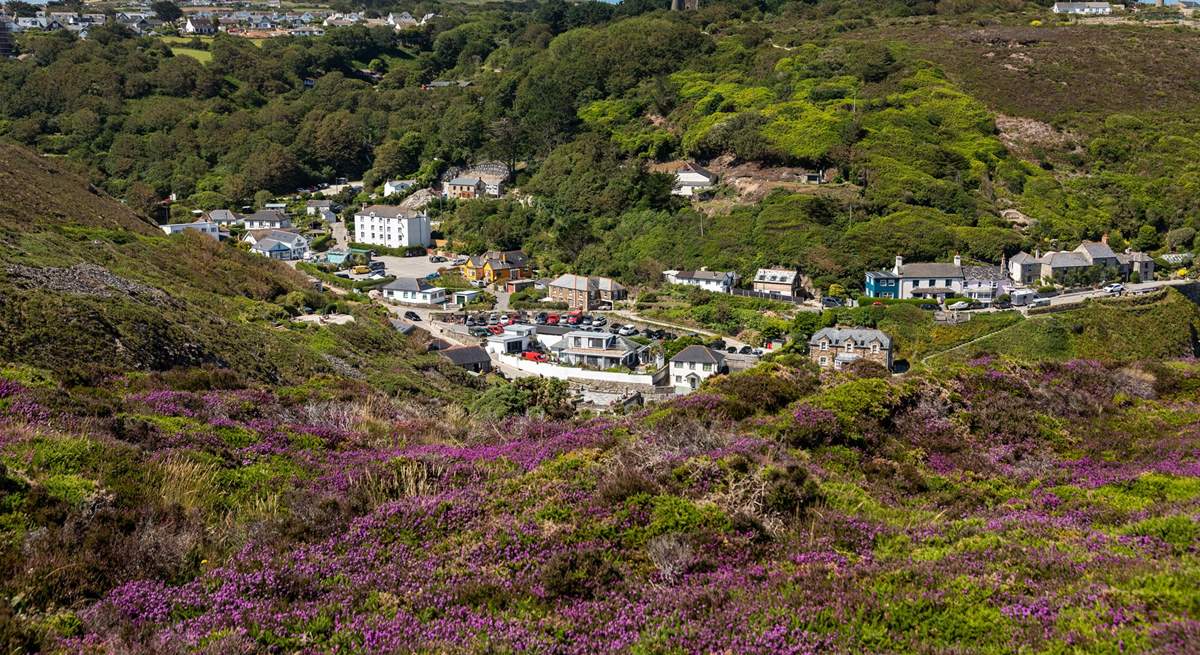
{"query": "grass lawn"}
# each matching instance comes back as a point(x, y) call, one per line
point(202, 56)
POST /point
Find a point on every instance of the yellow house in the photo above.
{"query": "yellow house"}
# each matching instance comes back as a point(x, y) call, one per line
point(498, 266)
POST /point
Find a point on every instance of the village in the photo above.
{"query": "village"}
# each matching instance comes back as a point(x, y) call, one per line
point(497, 312)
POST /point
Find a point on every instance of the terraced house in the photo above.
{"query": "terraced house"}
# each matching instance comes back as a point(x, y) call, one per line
point(1089, 256)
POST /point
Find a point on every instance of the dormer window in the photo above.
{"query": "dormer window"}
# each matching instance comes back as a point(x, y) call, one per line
point(849, 346)
point(824, 345)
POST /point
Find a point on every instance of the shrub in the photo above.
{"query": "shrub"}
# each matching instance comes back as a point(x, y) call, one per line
point(578, 574)
point(790, 490)
point(625, 482)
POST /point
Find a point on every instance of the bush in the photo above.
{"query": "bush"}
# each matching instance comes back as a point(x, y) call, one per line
point(578, 575)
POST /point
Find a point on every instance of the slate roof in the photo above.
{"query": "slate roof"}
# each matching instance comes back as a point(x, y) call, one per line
point(860, 336)
point(775, 275)
point(318, 203)
point(699, 355)
point(715, 276)
point(1097, 250)
point(693, 167)
point(984, 273)
point(223, 216)
point(466, 355)
point(383, 211)
point(929, 269)
point(267, 215)
point(512, 259)
point(580, 282)
point(409, 284)
point(465, 181)
point(1065, 260)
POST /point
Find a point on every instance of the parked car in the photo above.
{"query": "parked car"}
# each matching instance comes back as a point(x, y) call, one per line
point(585, 320)
point(1003, 304)
point(552, 319)
point(361, 270)
point(342, 274)
point(376, 265)
point(412, 316)
point(459, 261)
point(717, 344)
point(496, 329)
point(832, 302)
point(732, 350)
point(1115, 288)
point(479, 332)
point(573, 319)
point(599, 320)
point(540, 319)
point(627, 331)
point(1040, 302)
point(469, 322)
point(929, 306)
point(436, 259)
point(376, 276)
point(958, 306)
point(746, 350)
point(975, 304)
point(533, 356)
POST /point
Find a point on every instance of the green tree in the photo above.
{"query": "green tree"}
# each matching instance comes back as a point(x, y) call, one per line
point(1147, 238)
point(167, 11)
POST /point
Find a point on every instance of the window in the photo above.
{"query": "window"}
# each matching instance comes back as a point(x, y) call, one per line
point(824, 361)
point(824, 345)
point(849, 346)
point(874, 347)
point(708, 367)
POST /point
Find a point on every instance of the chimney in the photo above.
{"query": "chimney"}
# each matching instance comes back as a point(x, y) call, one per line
point(957, 259)
point(1037, 253)
point(899, 265)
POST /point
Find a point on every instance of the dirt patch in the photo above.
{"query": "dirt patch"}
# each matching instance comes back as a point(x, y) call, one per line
point(1024, 135)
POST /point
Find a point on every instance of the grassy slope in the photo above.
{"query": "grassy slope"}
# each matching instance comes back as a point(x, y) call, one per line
point(1159, 327)
point(200, 302)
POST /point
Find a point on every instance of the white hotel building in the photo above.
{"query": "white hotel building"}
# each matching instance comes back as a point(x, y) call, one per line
point(391, 226)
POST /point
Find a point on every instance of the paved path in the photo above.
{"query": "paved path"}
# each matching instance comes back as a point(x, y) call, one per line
point(341, 236)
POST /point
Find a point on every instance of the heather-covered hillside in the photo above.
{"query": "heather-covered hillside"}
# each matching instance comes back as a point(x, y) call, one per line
point(993, 508)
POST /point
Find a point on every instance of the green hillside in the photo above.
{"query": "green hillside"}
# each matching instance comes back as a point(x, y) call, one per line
point(90, 289)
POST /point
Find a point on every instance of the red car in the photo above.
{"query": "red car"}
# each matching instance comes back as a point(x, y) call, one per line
point(496, 329)
point(552, 319)
point(533, 357)
point(572, 320)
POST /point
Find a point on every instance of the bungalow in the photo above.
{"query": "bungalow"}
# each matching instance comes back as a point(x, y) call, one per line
point(497, 266)
point(1083, 8)
point(694, 365)
point(267, 219)
point(393, 187)
point(277, 244)
point(413, 291)
point(584, 292)
point(599, 350)
point(203, 227)
point(778, 282)
point(690, 179)
point(835, 347)
point(466, 297)
point(715, 281)
point(473, 358)
point(223, 217)
point(922, 280)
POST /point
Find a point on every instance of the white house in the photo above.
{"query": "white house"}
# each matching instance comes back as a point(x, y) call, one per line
point(694, 365)
point(922, 280)
point(413, 291)
point(514, 340)
point(199, 26)
point(715, 281)
point(393, 187)
point(314, 207)
point(691, 179)
point(277, 244)
point(599, 350)
point(1083, 8)
point(223, 217)
point(267, 219)
point(391, 226)
point(203, 227)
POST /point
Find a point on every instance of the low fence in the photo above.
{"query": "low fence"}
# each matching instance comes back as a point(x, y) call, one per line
point(748, 293)
point(582, 374)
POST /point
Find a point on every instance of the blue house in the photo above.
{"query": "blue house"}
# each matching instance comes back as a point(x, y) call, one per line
point(882, 284)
